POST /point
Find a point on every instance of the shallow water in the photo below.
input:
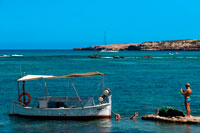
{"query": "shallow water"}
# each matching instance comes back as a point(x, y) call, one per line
point(137, 85)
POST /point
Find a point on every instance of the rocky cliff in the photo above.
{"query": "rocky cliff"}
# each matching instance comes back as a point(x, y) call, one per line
point(158, 45)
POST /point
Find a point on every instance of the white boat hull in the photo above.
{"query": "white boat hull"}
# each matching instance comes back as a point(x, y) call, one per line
point(85, 113)
point(108, 51)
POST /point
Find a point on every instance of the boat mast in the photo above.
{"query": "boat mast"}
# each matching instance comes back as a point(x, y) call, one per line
point(102, 82)
point(46, 89)
point(23, 88)
point(18, 87)
point(77, 95)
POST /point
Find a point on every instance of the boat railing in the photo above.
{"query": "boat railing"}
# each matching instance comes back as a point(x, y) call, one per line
point(17, 102)
point(58, 102)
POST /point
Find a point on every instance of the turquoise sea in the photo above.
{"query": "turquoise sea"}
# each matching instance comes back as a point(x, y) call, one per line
point(137, 85)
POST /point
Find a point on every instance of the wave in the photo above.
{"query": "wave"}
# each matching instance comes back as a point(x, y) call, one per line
point(17, 55)
point(176, 57)
point(158, 57)
point(5, 56)
point(107, 57)
point(14, 55)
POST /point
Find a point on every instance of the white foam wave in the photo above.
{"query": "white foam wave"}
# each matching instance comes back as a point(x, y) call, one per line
point(17, 55)
point(107, 57)
point(5, 56)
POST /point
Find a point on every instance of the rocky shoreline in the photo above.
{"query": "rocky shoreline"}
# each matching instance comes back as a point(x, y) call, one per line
point(99, 56)
point(178, 119)
point(175, 45)
point(155, 57)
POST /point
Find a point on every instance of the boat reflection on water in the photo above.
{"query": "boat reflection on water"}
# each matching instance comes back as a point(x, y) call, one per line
point(28, 125)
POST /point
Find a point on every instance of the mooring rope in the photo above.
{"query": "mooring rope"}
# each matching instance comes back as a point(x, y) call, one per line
point(113, 112)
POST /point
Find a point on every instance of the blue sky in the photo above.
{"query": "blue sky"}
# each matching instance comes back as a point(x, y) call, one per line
point(65, 24)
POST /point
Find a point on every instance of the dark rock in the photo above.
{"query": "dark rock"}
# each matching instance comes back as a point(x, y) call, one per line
point(170, 112)
point(132, 47)
point(118, 57)
point(148, 56)
point(95, 56)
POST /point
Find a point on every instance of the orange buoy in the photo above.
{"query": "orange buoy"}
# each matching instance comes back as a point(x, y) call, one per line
point(29, 98)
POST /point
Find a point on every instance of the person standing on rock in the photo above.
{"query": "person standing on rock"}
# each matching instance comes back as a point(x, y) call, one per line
point(186, 94)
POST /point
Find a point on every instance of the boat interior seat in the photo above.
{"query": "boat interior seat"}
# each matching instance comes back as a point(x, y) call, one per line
point(43, 104)
point(53, 104)
point(60, 104)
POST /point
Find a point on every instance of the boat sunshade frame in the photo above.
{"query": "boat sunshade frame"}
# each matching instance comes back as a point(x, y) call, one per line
point(36, 77)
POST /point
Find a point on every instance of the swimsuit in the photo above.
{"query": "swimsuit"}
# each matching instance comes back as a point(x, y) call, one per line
point(187, 99)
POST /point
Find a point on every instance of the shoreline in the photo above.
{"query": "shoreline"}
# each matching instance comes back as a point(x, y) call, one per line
point(174, 45)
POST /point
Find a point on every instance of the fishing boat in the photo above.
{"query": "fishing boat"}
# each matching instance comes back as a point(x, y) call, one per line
point(67, 107)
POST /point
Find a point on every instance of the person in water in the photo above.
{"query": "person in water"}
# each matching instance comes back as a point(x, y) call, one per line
point(118, 117)
point(186, 94)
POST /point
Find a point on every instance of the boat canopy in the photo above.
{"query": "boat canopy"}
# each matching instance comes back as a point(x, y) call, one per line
point(35, 77)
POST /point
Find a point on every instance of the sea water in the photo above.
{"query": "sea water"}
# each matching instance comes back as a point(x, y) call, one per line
point(137, 85)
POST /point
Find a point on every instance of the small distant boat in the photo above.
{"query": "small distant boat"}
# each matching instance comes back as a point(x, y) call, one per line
point(65, 107)
point(106, 50)
point(105, 43)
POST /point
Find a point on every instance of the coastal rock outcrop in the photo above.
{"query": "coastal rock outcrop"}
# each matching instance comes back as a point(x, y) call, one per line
point(94, 56)
point(178, 45)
